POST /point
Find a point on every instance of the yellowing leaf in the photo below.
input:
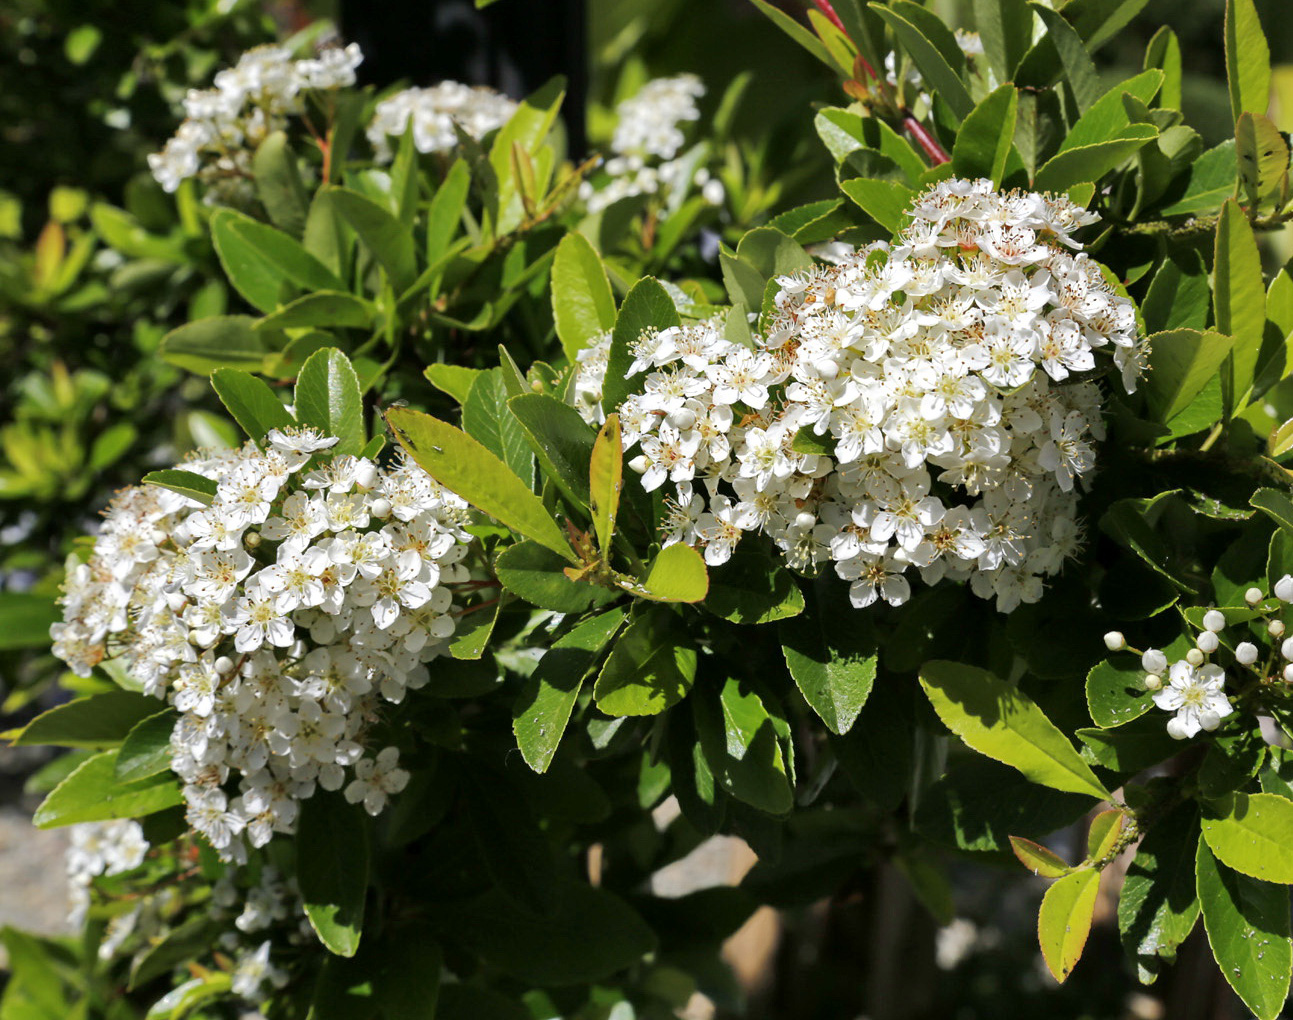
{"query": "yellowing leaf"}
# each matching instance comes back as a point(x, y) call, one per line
point(606, 480)
point(1065, 920)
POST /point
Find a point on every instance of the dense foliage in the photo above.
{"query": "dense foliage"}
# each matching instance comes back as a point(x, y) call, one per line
point(938, 511)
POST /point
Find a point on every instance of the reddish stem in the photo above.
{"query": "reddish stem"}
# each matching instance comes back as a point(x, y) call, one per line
point(926, 141)
point(825, 7)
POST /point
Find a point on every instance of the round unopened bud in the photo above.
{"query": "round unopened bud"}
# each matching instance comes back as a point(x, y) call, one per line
point(1284, 589)
point(1288, 673)
point(1209, 719)
point(1253, 595)
point(251, 539)
point(682, 419)
point(1275, 628)
point(223, 665)
point(1154, 661)
point(826, 368)
point(380, 508)
point(1246, 653)
point(1207, 642)
point(1214, 620)
point(1114, 641)
point(365, 475)
point(1286, 649)
point(1153, 681)
point(805, 520)
point(639, 464)
point(1194, 657)
point(1176, 729)
point(713, 192)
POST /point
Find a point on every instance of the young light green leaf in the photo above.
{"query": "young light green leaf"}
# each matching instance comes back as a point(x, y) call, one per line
point(328, 397)
point(1239, 297)
point(146, 751)
point(332, 869)
point(488, 419)
point(1065, 920)
point(464, 466)
point(561, 439)
point(582, 303)
point(444, 215)
point(650, 669)
point(222, 341)
point(646, 306)
point(1090, 163)
point(606, 480)
point(389, 240)
point(455, 380)
point(520, 137)
point(279, 186)
point(99, 721)
point(831, 654)
point(886, 202)
point(196, 487)
point(1181, 363)
point(1248, 59)
point(92, 793)
point(1253, 833)
point(543, 707)
point(987, 136)
point(1263, 159)
point(259, 260)
point(739, 739)
point(1038, 859)
point(1164, 53)
point(1002, 722)
point(1248, 929)
point(252, 403)
point(677, 574)
point(536, 574)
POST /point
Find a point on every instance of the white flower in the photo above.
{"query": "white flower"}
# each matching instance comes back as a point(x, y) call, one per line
point(1195, 695)
point(376, 779)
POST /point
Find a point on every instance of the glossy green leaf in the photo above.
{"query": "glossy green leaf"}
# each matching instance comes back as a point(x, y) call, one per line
point(753, 588)
point(222, 341)
point(1179, 296)
point(844, 132)
point(1158, 906)
point(1248, 59)
point(524, 131)
point(1086, 163)
point(99, 721)
point(1211, 180)
point(332, 869)
point(325, 309)
point(542, 709)
point(984, 142)
point(444, 214)
point(455, 380)
point(1065, 920)
point(146, 751)
point(92, 793)
point(919, 32)
point(1248, 929)
point(1002, 722)
point(488, 419)
point(252, 403)
point(677, 574)
point(831, 652)
point(582, 303)
point(279, 186)
point(259, 260)
point(651, 667)
point(466, 467)
point(1164, 53)
point(1276, 505)
point(1038, 859)
point(1239, 296)
point(1115, 691)
point(560, 438)
point(1253, 834)
point(328, 397)
point(388, 240)
point(1107, 117)
point(886, 202)
point(536, 574)
point(1098, 21)
point(1006, 28)
point(196, 487)
point(740, 743)
point(1181, 362)
point(646, 306)
point(1061, 52)
point(606, 480)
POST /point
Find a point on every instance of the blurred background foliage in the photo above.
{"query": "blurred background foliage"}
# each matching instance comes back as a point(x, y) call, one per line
point(97, 264)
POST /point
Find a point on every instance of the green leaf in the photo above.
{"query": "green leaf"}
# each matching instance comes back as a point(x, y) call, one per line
point(1108, 116)
point(606, 480)
point(1248, 59)
point(1230, 762)
point(542, 709)
point(590, 936)
point(444, 215)
point(560, 438)
point(388, 240)
point(1212, 179)
point(984, 142)
point(326, 309)
point(259, 260)
point(646, 306)
point(1002, 722)
point(467, 468)
point(25, 619)
point(1115, 691)
point(1129, 748)
point(1248, 929)
point(1181, 361)
point(740, 743)
point(796, 31)
point(1239, 297)
point(1098, 21)
point(1060, 52)
point(1158, 906)
point(582, 303)
point(1276, 505)
point(328, 397)
point(1065, 920)
point(513, 847)
point(92, 793)
point(524, 132)
point(252, 403)
point(1038, 859)
point(536, 574)
point(1006, 28)
point(1253, 833)
point(101, 720)
point(1164, 52)
point(677, 574)
point(279, 186)
point(1263, 159)
point(146, 751)
point(830, 650)
point(752, 588)
point(455, 380)
point(924, 36)
point(1086, 163)
point(845, 133)
point(222, 341)
point(487, 418)
point(1179, 296)
point(885, 202)
point(187, 483)
point(651, 667)
point(332, 869)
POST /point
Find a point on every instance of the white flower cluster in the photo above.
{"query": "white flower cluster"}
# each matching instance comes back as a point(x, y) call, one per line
point(270, 906)
point(224, 125)
point(933, 377)
point(276, 621)
point(433, 112)
point(100, 848)
point(647, 139)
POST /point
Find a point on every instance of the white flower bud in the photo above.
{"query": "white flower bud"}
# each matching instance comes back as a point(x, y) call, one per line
point(1153, 681)
point(684, 419)
point(639, 464)
point(1275, 628)
point(1246, 653)
point(1209, 719)
point(1154, 661)
point(1286, 649)
point(380, 508)
point(804, 520)
point(1114, 641)
point(1214, 620)
point(1252, 596)
point(1194, 657)
point(713, 192)
point(1207, 642)
point(826, 368)
point(251, 539)
point(1284, 589)
point(365, 475)
point(223, 665)
point(1176, 729)
point(1288, 673)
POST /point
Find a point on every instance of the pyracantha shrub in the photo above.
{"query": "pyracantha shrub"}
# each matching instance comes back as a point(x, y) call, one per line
point(433, 114)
